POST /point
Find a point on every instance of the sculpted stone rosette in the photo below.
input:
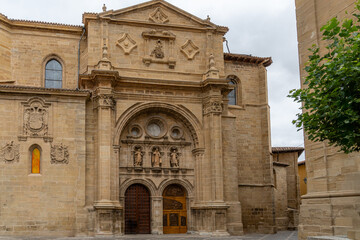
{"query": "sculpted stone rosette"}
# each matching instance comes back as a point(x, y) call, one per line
point(10, 152)
point(59, 154)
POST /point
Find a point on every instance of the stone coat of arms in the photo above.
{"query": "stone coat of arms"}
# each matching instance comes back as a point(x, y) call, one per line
point(59, 154)
point(10, 152)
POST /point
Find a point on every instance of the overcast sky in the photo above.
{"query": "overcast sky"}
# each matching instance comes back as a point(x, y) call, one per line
point(265, 28)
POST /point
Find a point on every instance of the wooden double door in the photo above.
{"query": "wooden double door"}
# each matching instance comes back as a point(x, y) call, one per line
point(137, 210)
point(174, 210)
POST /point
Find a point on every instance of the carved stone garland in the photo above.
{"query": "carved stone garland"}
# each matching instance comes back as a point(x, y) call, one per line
point(59, 154)
point(10, 153)
point(35, 120)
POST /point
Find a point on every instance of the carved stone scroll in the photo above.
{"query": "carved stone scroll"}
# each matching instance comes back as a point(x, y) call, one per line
point(126, 43)
point(158, 16)
point(189, 49)
point(10, 153)
point(59, 154)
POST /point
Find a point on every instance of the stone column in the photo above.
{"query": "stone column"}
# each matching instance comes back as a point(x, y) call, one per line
point(107, 205)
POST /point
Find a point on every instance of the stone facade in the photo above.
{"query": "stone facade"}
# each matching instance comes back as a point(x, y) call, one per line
point(331, 205)
point(142, 104)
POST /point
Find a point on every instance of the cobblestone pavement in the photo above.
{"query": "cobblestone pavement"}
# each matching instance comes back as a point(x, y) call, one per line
point(285, 235)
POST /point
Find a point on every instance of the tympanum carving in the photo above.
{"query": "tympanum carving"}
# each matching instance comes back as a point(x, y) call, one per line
point(158, 16)
point(10, 152)
point(158, 52)
point(59, 154)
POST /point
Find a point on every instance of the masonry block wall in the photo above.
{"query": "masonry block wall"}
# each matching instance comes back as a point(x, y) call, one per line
point(330, 206)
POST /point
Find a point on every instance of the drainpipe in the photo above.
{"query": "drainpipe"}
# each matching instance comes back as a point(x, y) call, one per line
point(77, 85)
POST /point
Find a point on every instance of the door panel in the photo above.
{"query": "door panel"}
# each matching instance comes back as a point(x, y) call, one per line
point(174, 210)
point(137, 210)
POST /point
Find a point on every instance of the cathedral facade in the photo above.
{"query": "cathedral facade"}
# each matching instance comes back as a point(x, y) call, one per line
point(135, 122)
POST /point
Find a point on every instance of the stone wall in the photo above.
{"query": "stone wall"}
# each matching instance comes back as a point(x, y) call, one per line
point(53, 200)
point(330, 206)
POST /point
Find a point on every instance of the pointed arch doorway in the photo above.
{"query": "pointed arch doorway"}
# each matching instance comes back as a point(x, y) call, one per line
point(174, 210)
point(137, 210)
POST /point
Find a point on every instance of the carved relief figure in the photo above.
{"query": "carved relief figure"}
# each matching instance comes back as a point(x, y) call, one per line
point(156, 158)
point(138, 158)
point(59, 154)
point(174, 158)
point(158, 52)
point(10, 152)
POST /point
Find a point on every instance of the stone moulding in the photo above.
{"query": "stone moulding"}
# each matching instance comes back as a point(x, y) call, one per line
point(158, 16)
point(59, 154)
point(126, 43)
point(10, 152)
point(189, 49)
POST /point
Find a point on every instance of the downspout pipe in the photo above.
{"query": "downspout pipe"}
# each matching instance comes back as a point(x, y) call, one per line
point(82, 35)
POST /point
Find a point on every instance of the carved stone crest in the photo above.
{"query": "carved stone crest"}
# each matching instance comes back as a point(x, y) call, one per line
point(35, 119)
point(189, 49)
point(158, 16)
point(126, 43)
point(10, 153)
point(59, 154)
point(158, 52)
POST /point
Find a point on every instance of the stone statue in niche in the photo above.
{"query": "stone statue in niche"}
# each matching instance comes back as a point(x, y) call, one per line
point(10, 152)
point(158, 52)
point(156, 158)
point(138, 158)
point(174, 158)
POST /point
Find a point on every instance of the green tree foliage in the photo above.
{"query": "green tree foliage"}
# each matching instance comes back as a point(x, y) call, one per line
point(330, 95)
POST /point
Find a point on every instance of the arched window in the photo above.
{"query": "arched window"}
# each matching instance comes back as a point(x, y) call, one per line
point(35, 160)
point(53, 74)
point(232, 94)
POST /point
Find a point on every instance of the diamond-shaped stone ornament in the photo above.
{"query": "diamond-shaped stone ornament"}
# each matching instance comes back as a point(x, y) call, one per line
point(189, 49)
point(126, 43)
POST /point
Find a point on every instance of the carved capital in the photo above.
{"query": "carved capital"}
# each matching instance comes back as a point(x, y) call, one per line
point(59, 154)
point(213, 106)
point(103, 101)
point(10, 152)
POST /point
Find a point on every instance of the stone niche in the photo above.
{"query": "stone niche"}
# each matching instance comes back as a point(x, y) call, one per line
point(156, 142)
point(159, 47)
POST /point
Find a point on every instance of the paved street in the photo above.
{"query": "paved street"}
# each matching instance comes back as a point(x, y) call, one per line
point(285, 235)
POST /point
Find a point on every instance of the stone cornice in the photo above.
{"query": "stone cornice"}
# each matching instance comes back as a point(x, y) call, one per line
point(38, 25)
point(44, 91)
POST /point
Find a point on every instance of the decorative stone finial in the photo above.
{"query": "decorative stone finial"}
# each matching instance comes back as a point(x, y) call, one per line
point(104, 8)
point(208, 18)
